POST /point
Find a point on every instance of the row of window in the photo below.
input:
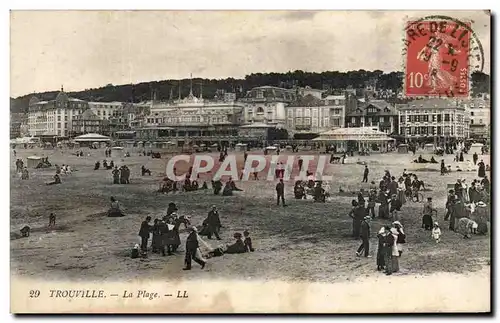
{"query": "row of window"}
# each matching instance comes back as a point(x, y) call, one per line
point(433, 131)
point(431, 118)
point(315, 122)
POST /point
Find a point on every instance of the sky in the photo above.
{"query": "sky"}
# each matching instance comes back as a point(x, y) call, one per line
point(89, 49)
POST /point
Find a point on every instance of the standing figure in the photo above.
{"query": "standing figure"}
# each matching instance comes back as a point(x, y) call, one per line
point(213, 223)
point(192, 246)
point(365, 237)
point(280, 192)
point(144, 233)
point(436, 232)
point(365, 175)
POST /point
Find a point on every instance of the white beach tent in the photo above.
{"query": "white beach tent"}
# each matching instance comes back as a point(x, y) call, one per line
point(33, 161)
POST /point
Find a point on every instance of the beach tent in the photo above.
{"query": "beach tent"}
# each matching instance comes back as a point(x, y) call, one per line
point(403, 149)
point(429, 147)
point(33, 161)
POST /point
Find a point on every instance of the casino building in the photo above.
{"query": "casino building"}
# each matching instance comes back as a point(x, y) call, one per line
point(192, 120)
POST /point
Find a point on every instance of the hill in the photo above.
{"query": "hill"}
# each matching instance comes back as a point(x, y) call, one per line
point(170, 88)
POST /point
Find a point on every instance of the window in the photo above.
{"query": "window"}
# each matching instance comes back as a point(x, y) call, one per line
point(481, 121)
point(59, 125)
point(472, 113)
point(260, 95)
point(307, 113)
point(289, 112)
point(472, 121)
point(260, 110)
point(353, 120)
point(447, 117)
point(65, 118)
point(58, 118)
point(402, 119)
point(326, 122)
point(439, 118)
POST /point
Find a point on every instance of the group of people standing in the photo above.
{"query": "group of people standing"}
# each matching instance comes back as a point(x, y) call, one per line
point(166, 239)
point(121, 175)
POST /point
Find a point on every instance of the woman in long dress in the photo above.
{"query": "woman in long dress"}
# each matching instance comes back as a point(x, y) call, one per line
point(401, 190)
point(380, 250)
point(395, 252)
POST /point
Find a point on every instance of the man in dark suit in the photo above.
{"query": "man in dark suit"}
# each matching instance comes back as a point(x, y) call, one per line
point(191, 248)
point(213, 223)
point(365, 175)
point(144, 233)
point(280, 192)
point(365, 237)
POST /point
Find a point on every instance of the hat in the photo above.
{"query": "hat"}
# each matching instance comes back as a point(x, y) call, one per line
point(397, 223)
point(436, 224)
point(237, 235)
point(136, 246)
point(213, 206)
point(481, 203)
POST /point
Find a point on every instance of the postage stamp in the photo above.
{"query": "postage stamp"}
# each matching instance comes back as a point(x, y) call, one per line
point(441, 53)
point(249, 162)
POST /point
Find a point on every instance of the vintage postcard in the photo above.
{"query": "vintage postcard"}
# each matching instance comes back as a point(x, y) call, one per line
point(250, 161)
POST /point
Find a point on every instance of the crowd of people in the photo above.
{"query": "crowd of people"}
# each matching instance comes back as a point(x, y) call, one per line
point(165, 238)
point(466, 207)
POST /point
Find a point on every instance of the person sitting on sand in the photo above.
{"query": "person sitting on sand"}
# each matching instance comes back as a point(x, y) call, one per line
point(57, 180)
point(204, 186)
point(433, 161)
point(145, 171)
point(299, 191)
point(97, 165)
point(248, 241)
point(238, 246)
point(217, 186)
point(115, 209)
point(232, 184)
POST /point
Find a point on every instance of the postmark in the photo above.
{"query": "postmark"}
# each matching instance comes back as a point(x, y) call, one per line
point(441, 54)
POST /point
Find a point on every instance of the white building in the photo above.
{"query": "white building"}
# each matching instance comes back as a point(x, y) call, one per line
point(437, 120)
point(267, 104)
point(54, 117)
point(478, 111)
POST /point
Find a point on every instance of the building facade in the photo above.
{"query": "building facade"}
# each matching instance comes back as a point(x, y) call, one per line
point(311, 116)
point(89, 122)
point(54, 117)
point(192, 119)
point(267, 104)
point(374, 114)
point(478, 111)
point(433, 120)
point(18, 125)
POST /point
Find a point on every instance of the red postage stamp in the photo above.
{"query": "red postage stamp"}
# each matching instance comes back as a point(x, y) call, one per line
point(437, 58)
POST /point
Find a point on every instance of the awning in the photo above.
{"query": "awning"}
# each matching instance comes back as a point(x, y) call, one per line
point(92, 137)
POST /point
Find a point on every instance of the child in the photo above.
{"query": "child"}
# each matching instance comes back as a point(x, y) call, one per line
point(436, 232)
point(248, 241)
point(135, 252)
